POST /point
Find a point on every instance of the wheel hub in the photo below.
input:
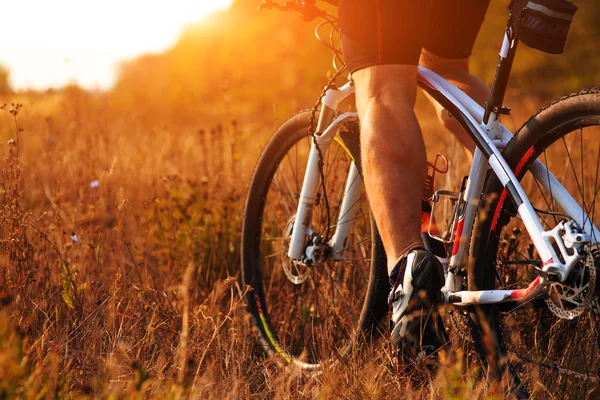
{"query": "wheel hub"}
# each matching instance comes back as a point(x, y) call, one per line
point(298, 271)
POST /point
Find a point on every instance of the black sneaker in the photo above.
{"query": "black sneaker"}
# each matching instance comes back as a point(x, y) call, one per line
point(416, 283)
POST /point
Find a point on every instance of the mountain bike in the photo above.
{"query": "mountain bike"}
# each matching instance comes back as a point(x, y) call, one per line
point(521, 240)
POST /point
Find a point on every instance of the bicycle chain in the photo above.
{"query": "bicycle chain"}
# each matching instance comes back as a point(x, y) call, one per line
point(556, 368)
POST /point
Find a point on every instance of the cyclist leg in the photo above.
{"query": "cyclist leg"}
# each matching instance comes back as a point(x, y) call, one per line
point(393, 154)
point(394, 165)
point(447, 49)
point(456, 71)
point(382, 42)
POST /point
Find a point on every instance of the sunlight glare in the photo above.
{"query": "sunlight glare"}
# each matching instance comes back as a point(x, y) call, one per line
point(52, 43)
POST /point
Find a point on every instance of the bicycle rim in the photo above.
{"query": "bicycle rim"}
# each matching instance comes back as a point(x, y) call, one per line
point(305, 314)
point(555, 357)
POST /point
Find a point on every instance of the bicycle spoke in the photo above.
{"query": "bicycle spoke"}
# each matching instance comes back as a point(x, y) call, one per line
point(565, 346)
point(287, 156)
point(362, 196)
point(583, 209)
point(545, 201)
point(596, 188)
point(288, 207)
point(361, 216)
point(313, 316)
point(274, 254)
point(574, 173)
point(354, 245)
point(549, 185)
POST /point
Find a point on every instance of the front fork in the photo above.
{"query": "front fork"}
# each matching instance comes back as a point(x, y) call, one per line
point(325, 133)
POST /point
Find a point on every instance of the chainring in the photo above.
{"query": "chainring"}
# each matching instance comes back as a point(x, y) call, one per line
point(570, 299)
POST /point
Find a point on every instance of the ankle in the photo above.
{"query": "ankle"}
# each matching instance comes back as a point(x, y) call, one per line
point(417, 244)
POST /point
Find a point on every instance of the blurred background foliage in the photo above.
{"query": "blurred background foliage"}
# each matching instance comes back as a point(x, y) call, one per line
point(4, 85)
point(242, 56)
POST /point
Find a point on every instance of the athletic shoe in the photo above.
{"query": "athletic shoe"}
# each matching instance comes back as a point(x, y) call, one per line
point(416, 283)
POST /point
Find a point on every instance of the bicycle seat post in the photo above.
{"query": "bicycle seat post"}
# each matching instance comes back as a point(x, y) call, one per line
point(505, 62)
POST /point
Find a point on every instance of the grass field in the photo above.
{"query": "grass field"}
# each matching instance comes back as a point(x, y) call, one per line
point(120, 260)
point(121, 215)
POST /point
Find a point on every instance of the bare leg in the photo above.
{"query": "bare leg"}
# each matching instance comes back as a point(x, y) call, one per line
point(457, 72)
point(393, 153)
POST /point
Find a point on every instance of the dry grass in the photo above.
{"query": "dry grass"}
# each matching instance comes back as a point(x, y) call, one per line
point(120, 257)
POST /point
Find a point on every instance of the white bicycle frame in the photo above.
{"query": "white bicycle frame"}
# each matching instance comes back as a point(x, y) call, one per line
point(490, 138)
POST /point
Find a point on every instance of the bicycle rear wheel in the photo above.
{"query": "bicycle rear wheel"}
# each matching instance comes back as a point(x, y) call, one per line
point(554, 356)
point(307, 314)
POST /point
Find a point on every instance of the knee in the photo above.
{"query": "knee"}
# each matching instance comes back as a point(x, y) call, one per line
point(391, 102)
point(386, 86)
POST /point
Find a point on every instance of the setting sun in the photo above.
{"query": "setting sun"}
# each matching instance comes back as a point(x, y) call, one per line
point(53, 43)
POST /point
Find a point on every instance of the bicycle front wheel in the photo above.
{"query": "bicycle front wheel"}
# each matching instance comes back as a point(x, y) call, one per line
point(305, 314)
point(551, 342)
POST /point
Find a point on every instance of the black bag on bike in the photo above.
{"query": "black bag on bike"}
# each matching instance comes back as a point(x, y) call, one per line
point(543, 24)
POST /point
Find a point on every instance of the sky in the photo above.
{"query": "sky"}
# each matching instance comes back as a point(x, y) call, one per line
point(51, 43)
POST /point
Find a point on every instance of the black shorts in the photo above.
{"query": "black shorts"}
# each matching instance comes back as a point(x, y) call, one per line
point(376, 32)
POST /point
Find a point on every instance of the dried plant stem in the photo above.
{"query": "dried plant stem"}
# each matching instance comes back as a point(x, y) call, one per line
point(181, 353)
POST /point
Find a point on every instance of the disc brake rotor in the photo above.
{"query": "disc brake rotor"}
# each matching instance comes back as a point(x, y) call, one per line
point(570, 299)
point(297, 272)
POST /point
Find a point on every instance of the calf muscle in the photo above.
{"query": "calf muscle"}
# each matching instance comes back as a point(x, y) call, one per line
point(393, 154)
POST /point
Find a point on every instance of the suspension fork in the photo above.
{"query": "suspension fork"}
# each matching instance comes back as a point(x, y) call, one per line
point(352, 194)
point(310, 184)
point(325, 133)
